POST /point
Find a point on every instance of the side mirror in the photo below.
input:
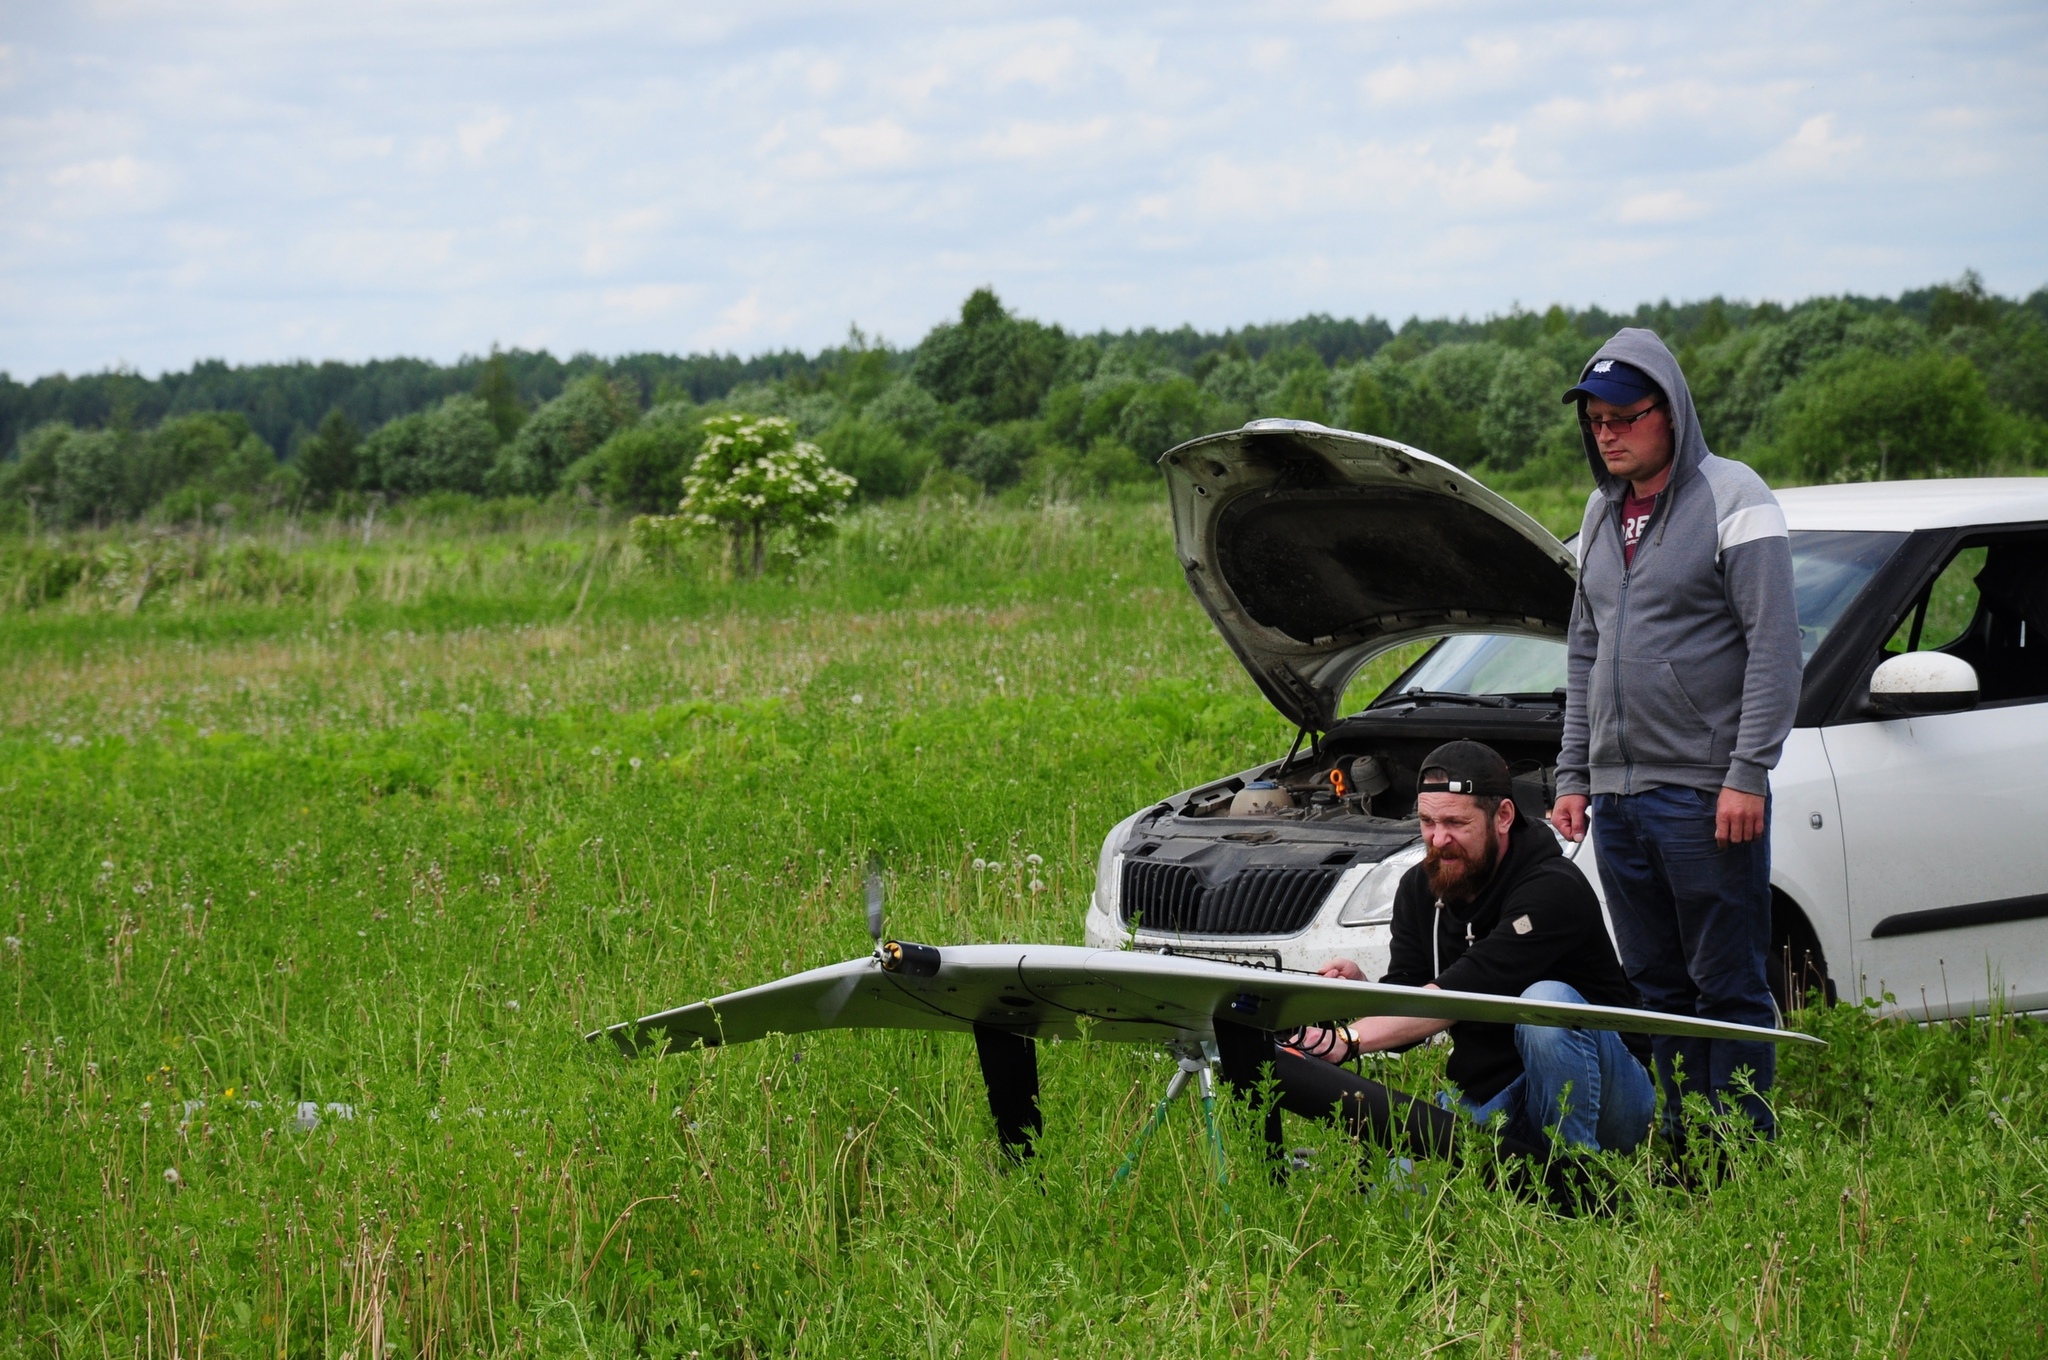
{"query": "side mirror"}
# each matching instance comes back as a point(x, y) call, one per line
point(1919, 683)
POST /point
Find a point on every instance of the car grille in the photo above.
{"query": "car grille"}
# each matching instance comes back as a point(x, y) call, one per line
point(1174, 899)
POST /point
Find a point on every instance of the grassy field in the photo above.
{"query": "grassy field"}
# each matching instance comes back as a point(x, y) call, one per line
point(321, 850)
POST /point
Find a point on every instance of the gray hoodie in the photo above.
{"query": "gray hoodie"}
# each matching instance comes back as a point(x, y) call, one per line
point(1685, 666)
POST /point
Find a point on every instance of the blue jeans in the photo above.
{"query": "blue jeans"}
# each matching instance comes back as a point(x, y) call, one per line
point(1582, 1084)
point(1694, 925)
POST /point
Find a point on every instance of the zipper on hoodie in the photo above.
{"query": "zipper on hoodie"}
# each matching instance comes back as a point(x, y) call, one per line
point(1628, 764)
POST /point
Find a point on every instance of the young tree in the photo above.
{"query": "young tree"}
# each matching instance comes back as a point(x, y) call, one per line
point(755, 478)
point(1520, 408)
point(500, 396)
point(589, 411)
point(991, 365)
point(1366, 409)
point(328, 460)
point(641, 468)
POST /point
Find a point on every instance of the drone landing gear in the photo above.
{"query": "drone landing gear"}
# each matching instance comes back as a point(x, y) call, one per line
point(1198, 1059)
point(1009, 1067)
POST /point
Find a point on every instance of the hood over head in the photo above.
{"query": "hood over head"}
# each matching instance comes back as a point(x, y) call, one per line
point(1643, 348)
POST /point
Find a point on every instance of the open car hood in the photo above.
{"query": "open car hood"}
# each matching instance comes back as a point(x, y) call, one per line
point(1314, 549)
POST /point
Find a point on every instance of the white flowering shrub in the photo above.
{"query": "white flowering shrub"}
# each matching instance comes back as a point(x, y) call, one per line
point(755, 478)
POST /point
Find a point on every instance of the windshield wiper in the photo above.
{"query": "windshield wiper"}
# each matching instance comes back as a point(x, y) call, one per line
point(1443, 696)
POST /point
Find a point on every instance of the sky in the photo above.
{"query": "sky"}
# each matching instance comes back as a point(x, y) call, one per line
point(260, 180)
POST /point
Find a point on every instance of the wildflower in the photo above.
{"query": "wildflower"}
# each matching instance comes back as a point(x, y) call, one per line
point(1034, 860)
point(979, 865)
point(634, 762)
point(857, 700)
point(172, 1178)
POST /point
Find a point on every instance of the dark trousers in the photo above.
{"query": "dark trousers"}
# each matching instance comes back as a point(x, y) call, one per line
point(1693, 922)
point(1376, 1115)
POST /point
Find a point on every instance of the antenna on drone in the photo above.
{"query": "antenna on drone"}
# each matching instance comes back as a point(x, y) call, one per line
point(874, 887)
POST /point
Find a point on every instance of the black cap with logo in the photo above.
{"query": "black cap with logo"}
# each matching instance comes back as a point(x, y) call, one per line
point(1468, 767)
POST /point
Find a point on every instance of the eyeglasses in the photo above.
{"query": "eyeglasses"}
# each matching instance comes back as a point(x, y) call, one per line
point(1616, 424)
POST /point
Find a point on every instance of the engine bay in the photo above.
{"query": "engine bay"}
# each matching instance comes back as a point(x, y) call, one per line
point(1365, 769)
point(1259, 852)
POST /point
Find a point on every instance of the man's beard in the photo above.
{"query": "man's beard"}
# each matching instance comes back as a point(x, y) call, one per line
point(1455, 878)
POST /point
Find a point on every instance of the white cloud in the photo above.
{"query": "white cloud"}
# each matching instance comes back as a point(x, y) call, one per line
point(479, 136)
point(652, 299)
point(1663, 206)
point(737, 324)
point(1815, 145)
point(1043, 64)
point(1271, 56)
point(867, 145)
point(109, 186)
point(251, 179)
point(1029, 140)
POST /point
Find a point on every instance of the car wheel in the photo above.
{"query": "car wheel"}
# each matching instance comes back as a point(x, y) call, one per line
point(1796, 965)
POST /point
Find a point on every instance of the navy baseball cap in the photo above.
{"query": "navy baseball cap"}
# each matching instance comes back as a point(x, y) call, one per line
point(1616, 381)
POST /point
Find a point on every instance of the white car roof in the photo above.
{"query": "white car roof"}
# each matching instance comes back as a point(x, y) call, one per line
point(1935, 503)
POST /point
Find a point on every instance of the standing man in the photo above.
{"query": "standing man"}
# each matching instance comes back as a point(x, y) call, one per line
point(1684, 676)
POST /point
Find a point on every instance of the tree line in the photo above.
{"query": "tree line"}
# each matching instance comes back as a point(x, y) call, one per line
point(1943, 380)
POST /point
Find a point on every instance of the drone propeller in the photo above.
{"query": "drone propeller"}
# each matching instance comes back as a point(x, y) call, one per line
point(874, 887)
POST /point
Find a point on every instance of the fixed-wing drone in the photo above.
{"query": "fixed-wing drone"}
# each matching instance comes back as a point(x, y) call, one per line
point(1010, 995)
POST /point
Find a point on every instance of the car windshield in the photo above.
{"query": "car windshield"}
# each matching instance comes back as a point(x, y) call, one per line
point(1829, 569)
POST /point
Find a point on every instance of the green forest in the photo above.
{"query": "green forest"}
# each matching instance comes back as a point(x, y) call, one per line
point(1945, 380)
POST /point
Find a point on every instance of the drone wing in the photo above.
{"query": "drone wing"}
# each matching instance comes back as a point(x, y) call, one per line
point(1131, 996)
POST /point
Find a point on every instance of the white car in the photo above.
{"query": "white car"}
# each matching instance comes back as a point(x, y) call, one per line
point(1909, 822)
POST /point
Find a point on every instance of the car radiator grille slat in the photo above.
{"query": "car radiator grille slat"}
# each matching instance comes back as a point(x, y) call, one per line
point(1172, 898)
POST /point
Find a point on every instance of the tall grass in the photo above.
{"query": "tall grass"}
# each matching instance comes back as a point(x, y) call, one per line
point(312, 895)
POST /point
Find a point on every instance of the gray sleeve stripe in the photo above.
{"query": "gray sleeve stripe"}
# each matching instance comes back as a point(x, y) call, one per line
point(1749, 525)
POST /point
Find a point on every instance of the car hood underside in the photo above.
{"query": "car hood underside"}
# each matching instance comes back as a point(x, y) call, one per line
point(1313, 549)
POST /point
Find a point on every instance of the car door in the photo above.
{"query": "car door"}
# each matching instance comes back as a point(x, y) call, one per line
point(1942, 816)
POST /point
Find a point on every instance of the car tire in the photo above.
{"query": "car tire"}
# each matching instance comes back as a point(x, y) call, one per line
point(1796, 965)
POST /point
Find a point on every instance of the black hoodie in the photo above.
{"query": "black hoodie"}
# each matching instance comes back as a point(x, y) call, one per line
point(1536, 920)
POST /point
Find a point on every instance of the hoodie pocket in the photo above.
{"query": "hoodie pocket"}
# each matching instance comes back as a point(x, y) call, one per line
point(1660, 724)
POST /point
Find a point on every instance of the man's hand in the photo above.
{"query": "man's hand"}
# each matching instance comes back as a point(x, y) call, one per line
point(1342, 968)
point(1568, 815)
point(1738, 818)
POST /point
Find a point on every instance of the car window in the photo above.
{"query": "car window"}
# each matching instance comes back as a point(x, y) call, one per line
point(1829, 570)
point(1949, 606)
point(1989, 606)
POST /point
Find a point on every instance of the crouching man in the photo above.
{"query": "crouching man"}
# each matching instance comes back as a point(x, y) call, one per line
point(1494, 907)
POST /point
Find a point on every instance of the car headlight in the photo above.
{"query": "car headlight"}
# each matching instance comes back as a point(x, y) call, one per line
point(1372, 899)
point(1109, 866)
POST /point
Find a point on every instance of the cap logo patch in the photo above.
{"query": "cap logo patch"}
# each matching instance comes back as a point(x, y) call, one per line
point(1523, 925)
point(1603, 365)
